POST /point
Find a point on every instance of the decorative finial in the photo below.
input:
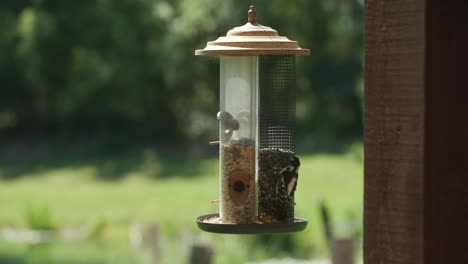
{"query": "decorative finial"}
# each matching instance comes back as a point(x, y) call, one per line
point(252, 15)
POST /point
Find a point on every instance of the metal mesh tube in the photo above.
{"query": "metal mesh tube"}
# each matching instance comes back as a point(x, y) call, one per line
point(276, 137)
point(277, 102)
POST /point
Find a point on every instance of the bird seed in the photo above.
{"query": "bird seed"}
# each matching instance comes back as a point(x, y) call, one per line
point(274, 204)
point(238, 200)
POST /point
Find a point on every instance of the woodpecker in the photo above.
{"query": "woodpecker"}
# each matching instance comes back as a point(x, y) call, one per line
point(290, 174)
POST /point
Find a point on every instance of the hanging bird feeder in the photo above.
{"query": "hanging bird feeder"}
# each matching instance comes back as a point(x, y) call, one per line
point(258, 166)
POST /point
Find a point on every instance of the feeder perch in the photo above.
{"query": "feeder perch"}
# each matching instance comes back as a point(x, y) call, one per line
point(258, 166)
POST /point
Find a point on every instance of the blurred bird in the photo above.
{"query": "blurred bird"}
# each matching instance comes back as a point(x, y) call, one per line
point(290, 174)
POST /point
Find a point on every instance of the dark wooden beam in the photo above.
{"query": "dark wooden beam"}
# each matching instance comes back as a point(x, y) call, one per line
point(446, 133)
point(394, 131)
point(416, 132)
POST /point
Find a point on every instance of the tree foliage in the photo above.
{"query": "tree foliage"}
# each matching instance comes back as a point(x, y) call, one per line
point(126, 67)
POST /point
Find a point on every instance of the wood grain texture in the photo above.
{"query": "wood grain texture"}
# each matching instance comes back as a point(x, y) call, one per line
point(394, 131)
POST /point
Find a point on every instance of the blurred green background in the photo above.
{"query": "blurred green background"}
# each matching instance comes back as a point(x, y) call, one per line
point(105, 115)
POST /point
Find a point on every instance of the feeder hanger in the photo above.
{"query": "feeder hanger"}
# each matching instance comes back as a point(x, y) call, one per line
point(252, 15)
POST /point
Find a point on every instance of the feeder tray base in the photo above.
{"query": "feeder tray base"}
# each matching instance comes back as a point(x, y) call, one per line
point(203, 223)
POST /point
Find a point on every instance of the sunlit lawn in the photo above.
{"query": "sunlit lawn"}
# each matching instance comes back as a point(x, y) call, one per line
point(170, 192)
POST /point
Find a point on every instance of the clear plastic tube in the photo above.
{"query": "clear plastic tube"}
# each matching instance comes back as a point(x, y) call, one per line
point(238, 129)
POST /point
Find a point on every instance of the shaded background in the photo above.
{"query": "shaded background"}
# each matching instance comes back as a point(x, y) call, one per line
point(113, 86)
point(126, 69)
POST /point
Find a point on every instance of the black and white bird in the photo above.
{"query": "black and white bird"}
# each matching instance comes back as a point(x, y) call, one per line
point(290, 174)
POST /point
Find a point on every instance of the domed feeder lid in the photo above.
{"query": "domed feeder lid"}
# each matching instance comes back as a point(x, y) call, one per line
point(252, 39)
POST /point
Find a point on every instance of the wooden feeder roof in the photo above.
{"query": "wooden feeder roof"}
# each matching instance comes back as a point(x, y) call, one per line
point(252, 39)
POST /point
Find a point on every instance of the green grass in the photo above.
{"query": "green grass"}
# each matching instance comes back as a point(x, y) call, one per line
point(170, 191)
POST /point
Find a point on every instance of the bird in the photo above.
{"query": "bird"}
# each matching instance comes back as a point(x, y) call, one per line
point(228, 125)
point(290, 174)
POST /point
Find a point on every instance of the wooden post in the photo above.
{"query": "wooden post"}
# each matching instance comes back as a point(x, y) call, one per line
point(416, 131)
point(394, 131)
point(153, 243)
point(342, 251)
point(201, 254)
point(146, 236)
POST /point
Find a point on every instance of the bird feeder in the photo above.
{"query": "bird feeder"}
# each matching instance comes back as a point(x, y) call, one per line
point(258, 166)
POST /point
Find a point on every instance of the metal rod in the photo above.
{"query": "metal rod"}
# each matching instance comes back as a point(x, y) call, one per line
point(212, 143)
